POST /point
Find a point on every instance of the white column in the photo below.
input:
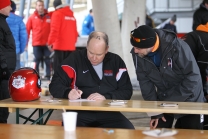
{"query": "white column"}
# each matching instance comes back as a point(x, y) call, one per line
point(106, 20)
point(133, 9)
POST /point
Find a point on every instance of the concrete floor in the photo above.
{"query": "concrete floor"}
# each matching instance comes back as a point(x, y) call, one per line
point(138, 119)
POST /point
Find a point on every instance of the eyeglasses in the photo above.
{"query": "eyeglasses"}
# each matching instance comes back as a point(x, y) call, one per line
point(138, 39)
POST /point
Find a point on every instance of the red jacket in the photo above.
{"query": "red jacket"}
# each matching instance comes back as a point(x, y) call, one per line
point(40, 27)
point(63, 34)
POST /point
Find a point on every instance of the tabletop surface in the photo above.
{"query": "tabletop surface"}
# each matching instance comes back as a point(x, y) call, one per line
point(130, 106)
point(13, 131)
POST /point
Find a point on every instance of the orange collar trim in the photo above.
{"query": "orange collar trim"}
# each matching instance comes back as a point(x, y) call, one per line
point(202, 28)
point(156, 46)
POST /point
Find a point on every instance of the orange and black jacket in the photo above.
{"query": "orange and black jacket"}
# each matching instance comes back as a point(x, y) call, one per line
point(198, 42)
point(200, 16)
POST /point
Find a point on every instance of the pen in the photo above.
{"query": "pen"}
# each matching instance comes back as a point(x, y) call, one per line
point(75, 87)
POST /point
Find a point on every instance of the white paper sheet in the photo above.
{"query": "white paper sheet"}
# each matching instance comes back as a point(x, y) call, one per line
point(160, 133)
point(81, 100)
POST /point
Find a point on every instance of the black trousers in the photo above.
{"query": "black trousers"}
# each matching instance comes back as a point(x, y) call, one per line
point(103, 119)
point(4, 94)
point(189, 121)
point(205, 122)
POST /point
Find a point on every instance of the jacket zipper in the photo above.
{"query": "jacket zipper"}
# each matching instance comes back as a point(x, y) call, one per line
point(152, 62)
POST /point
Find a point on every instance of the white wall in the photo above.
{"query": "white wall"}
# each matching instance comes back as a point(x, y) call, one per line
point(184, 25)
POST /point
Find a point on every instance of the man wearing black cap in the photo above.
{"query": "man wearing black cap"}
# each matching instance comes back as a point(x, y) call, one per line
point(7, 56)
point(167, 71)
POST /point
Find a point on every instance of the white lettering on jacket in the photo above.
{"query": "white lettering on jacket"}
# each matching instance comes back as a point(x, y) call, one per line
point(69, 18)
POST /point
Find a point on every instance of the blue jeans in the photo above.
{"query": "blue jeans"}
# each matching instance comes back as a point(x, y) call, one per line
point(42, 52)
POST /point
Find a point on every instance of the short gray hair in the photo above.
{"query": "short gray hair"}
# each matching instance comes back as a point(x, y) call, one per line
point(98, 35)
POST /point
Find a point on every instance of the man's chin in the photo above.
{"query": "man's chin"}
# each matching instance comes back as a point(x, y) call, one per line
point(141, 55)
point(94, 64)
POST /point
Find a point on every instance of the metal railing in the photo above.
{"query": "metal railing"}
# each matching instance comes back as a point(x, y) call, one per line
point(171, 5)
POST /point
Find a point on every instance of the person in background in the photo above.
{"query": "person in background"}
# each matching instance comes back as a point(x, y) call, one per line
point(19, 32)
point(63, 34)
point(200, 15)
point(149, 21)
point(7, 56)
point(88, 24)
point(94, 74)
point(171, 25)
point(167, 71)
point(39, 24)
point(198, 42)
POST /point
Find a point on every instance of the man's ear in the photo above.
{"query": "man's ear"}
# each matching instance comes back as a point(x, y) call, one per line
point(106, 49)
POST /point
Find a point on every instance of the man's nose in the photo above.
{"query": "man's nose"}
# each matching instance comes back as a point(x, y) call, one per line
point(94, 57)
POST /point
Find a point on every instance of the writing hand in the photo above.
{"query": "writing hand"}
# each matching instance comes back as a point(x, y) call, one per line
point(75, 94)
point(96, 96)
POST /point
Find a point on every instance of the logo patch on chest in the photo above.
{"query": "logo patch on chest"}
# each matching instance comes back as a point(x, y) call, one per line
point(108, 72)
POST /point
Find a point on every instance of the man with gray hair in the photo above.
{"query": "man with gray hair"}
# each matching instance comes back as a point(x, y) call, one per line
point(99, 75)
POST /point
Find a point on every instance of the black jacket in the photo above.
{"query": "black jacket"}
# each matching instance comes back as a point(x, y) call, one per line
point(198, 42)
point(7, 46)
point(200, 16)
point(76, 70)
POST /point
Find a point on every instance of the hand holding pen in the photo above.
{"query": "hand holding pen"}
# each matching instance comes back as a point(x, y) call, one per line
point(75, 93)
point(79, 92)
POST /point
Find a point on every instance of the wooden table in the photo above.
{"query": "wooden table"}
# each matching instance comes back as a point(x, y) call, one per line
point(13, 131)
point(131, 106)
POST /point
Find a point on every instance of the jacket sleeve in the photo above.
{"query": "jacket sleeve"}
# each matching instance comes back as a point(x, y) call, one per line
point(191, 40)
point(55, 27)
point(29, 27)
point(124, 87)
point(147, 87)
point(23, 36)
point(2, 57)
point(60, 84)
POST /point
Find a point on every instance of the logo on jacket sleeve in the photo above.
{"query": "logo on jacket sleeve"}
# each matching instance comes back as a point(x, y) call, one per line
point(69, 18)
point(18, 82)
point(108, 72)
